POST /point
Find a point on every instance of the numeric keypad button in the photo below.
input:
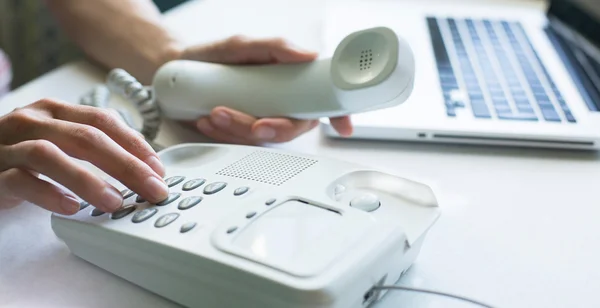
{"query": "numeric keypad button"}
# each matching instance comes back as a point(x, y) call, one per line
point(189, 202)
point(193, 184)
point(96, 212)
point(83, 205)
point(214, 188)
point(174, 180)
point(172, 197)
point(187, 227)
point(240, 191)
point(144, 215)
point(165, 220)
point(126, 193)
point(123, 212)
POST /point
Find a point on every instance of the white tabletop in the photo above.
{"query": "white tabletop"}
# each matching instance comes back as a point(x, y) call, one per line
point(519, 227)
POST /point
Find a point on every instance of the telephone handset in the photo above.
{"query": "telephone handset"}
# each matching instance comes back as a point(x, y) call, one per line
point(370, 69)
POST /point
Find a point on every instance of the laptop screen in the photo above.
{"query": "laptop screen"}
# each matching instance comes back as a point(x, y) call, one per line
point(575, 31)
point(583, 16)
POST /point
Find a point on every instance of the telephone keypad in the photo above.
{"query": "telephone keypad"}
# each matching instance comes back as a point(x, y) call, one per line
point(165, 220)
point(139, 199)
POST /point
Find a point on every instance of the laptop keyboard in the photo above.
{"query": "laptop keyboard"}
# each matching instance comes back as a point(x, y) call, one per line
point(491, 68)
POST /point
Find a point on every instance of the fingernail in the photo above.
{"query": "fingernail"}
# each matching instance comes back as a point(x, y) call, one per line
point(204, 126)
point(221, 119)
point(156, 165)
point(157, 189)
point(69, 204)
point(265, 133)
point(112, 199)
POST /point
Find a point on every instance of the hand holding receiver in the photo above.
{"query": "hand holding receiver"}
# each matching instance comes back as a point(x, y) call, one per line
point(370, 69)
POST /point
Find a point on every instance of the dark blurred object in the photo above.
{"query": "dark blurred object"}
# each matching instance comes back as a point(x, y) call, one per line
point(165, 5)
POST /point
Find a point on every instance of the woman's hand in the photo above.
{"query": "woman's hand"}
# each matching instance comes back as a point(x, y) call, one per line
point(232, 126)
point(42, 137)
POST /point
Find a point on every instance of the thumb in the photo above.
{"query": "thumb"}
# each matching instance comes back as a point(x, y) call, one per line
point(242, 50)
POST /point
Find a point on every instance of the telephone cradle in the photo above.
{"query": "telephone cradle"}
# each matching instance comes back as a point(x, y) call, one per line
point(248, 226)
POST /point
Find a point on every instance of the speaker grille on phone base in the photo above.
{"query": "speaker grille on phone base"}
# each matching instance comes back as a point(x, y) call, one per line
point(267, 167)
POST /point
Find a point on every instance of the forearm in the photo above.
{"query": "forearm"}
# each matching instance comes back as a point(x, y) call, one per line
point(118, 33)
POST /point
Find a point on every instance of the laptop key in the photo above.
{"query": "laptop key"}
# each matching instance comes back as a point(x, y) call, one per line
point(480, 109)
point(570, 117)
point(550, 115)
point(517, 116)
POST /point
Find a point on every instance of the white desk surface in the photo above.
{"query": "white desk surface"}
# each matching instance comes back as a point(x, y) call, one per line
point(519, 228)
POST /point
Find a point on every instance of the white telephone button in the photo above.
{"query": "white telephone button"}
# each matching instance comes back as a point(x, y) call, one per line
point(193, 184)
point(172, 197)
point(214, 188)
point(367, 202)
point(174, 180)
point(127, 193)
point(339, 189)
point(123, 212)
point(143, 215)
point(166, 219)
point(240, 191)
point(189, 202)
point(187, 227)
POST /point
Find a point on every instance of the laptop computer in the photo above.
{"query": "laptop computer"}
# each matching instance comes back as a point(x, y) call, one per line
point(495, 73)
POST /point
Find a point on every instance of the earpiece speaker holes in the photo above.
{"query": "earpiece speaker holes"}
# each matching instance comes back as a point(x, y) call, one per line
point(366, 59)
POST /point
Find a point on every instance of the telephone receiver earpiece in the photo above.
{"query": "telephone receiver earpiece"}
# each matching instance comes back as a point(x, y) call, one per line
point(370, 69)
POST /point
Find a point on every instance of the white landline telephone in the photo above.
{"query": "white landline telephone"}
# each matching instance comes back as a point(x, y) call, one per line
point(259, 227)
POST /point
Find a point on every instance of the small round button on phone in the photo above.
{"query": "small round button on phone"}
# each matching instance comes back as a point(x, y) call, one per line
point(96, 212)
point(83, 205)
point(165, 220)
point(367, 202)
point(174, 180)
point(123, 212)
point(193, 184)
point(143, 215)
point(240, 191)
point(127, 193)
point(214, 188)
point(187, 227)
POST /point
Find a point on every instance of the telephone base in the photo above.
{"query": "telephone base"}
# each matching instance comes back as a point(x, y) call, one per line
point(284, 230)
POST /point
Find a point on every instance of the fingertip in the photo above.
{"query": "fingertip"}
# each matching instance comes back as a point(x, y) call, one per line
point(204, 126)
point(264, 132)
point(69, 205)
point(343, 126)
